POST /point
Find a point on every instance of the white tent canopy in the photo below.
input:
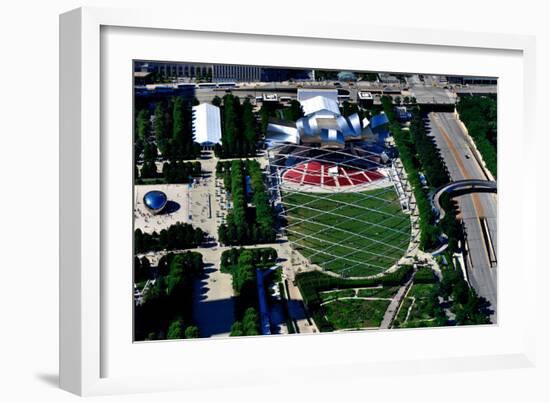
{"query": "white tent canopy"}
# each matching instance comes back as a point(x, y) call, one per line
point(207, 124)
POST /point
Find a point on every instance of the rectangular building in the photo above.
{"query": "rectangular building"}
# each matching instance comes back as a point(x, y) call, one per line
point(235, 72)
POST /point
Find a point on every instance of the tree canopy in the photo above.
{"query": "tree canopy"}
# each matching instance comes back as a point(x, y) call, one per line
point(479, 114)
point(244, 224)
point(238, 128)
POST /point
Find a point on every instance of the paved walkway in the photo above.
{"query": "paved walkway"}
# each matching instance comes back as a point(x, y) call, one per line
point(393, 308)
point(213, 303)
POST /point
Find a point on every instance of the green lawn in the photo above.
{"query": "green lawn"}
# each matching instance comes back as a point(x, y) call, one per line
point(423, 311)
point(402, 314)
point(422, 290)
point(353, 234)
point(356, 313)
point(332, 295)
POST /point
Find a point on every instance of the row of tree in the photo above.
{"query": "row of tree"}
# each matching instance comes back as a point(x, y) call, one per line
point(165, 312)
point(246, 225)
point(479, 114)
point(249, 326)
point(172, 172)
point(178, 330)
point(177, 236)
point(242, 264)
point(429, 156)
point(238, 128)
point(261, 257)
point(171, 133)
point(265, 222)
point(468, 307)
point(411, 162)
point(173, 129)
point(419, 153)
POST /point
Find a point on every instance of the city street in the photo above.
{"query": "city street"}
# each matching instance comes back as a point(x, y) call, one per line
point(462, 162)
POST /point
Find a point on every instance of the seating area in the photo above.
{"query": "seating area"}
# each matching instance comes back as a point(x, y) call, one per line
point(315, 173)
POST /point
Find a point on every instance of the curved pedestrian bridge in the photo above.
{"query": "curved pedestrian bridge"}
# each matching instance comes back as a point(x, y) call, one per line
point(459, 188)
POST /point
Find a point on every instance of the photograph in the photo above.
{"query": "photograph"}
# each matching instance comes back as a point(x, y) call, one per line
point(275, 200)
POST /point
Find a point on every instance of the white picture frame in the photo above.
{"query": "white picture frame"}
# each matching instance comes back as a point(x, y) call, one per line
point(83, 298)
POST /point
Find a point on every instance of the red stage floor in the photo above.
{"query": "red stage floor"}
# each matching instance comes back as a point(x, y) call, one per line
point(317, 174)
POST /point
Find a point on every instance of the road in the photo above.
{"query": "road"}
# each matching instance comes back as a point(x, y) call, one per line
point(425, 94)
point(462, 163)
point(428, 92)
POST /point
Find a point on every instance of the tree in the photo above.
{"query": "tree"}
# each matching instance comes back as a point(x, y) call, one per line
point(160, 122)
point(175, 330)
point(142, 269)
point(349, 108)
point(251, 322)
point(217, 101)
point(229, 127)
point(222, 234)
point(138, 149)
point(192, 332)
point(479, 115)
point(142, 125)
point(249, 128)
point(138, 241)
point(295, 110)
point(157, 291)
point(175, 277)
point(177, 118)
point(244, 275)
point(150, 152)
point(237, 329)
point(149, 170)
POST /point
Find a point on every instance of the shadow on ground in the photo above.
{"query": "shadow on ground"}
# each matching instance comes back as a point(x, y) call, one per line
point(171, 207)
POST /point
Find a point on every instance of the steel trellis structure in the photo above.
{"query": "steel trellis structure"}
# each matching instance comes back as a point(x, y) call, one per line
point(396, 243)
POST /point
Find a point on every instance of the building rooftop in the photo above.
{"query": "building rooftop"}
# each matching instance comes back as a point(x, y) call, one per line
point(320, 103)
point(364, 95)
point(379, 120)
point(307, 93)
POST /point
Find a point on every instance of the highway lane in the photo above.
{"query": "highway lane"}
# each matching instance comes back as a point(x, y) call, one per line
point(462, 164)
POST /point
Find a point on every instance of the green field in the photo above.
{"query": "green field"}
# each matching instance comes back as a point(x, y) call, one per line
point(353, 234)
point(355, 313)
point(424, 307)
point(385, 292)
point(403, 310)
point(332, 295)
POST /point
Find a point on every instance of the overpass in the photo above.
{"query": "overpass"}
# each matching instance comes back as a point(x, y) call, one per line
point(461, 187)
